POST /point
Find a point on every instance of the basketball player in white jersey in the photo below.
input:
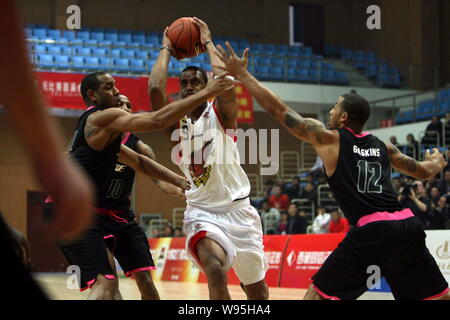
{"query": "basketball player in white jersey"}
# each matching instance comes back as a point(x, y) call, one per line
point(222, 229)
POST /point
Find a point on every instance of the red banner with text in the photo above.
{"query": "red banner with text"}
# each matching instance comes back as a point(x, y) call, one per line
point(292, 259)
point(62, 90)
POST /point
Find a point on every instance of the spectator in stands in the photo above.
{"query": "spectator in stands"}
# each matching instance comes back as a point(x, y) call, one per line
point(155, 233)
point(178, 232)
point(338, 222)
point(309, 192)
point(434, 182)
point(270, 218)
point(397, 184)
point(439, 215)
point(297, 223)
point(446, 183)
point(433, 133)
point(317, 169)
point(414, 197)
point(321, 222)
point(435, 196)
point(168, 231)
point(282, 225)
point(293, 188)
point(413, 144)
point(393, 140)
point(447, 129)
point(278, 199)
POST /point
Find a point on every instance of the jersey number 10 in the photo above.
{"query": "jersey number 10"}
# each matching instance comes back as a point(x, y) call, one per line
point(369, 174)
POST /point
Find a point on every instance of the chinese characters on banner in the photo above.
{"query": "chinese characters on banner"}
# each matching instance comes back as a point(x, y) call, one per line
point(62, 90)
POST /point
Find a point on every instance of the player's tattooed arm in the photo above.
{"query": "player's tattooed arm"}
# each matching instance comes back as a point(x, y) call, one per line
point(307, 129)
point(424, 170)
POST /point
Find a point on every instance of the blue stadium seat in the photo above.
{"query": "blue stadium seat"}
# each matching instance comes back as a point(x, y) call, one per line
point(142, 55)
point(78, 62)
point(121, 64)
point(92, 63)
point(39, 33)
point(264, 62)
point(306, 52)
point(45, 60)
point(139, 38)
point(54, 34)
point(342, 77)
point(99, 36)
point(83, 35)
point(304, 64)
point(153, 40)
point(111, 36)
point(127, 54)
point(262, 73)
point(303, 75)
point(99, 52)
point(371, 71)
point(292, 74)
point(314, 64)
point(105, 63)
point(91, 42)
point(256, 48)
point(277, 62)
point(62, 61)
point(277, 73)
point(83, 51)
point(137, 65)
point(281, 49)
point(292, 63)
point(116, 53)
point(55, 50)
point(39, 48)
point(67, 50)
point(125, 36)
point(313, 76)
point(70, 35)
point(28, 32)
point(327, 76)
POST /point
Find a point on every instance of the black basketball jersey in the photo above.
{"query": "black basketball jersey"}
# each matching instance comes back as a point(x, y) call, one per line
point(362, 182)
point(98, 165)
point(121, 182)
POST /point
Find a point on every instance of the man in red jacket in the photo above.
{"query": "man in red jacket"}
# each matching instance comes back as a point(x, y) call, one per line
point(338, 223)
point(279, 200)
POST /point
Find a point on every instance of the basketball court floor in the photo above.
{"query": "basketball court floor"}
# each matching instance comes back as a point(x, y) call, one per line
point(55, 286)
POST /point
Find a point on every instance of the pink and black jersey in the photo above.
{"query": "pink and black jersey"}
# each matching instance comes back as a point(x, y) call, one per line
point(362, 182)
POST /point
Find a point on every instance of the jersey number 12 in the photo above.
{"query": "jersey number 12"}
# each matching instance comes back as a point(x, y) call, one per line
point(369, 174)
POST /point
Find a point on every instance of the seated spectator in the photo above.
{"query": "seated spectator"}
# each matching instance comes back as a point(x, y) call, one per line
point(321, 221)
point(293, 189)
point(413, 145)
point(447, 129)
point(282, 225)
point(415, 198)
point(433, 133)
point(338, 223)
point(279, 200)
point(393, 140)
point(167, 232)
point(435, 196)
point(396, 183)
point(270, 218)
point(297, 223)
point(155, 233)
point(440, 215)
point(309, 192)
point(178, 232)
point(446, 183)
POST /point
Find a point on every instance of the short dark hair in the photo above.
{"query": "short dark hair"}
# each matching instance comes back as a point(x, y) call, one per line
point(195, 69)
point(90, 82)
point(357, 108)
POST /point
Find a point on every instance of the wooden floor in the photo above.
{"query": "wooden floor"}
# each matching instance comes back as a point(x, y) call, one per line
point(55, 286)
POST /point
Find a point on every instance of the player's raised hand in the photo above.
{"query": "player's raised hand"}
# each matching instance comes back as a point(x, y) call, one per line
point(233, 64)
point(437, 157)
point(219, 84)
point(205, 33)
point(167, 43)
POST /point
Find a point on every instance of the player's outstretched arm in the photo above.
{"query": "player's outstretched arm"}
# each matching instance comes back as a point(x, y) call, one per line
point(116, 119)
point(157, 81)
point(39, 133)
point(422, 170)
point(165, 187)
point(307, 129)
point(151, 168)
point(227, 104)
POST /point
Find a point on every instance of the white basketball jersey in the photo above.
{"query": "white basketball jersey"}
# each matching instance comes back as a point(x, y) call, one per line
point(210, 160)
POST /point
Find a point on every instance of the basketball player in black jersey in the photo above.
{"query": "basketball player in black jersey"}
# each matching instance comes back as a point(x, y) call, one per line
point(358, 166)
point(126, 240)
point(96, 147)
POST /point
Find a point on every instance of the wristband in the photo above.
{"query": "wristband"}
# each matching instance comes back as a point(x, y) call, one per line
point(170, 50)
point(207, 42)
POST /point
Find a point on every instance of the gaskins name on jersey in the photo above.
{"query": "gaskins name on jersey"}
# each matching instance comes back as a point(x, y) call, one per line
point(372, 152)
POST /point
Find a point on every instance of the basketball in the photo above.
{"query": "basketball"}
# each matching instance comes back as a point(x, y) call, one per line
point(185, 38)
